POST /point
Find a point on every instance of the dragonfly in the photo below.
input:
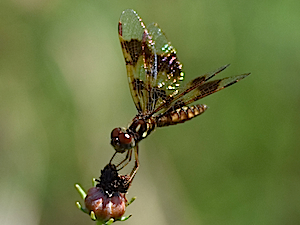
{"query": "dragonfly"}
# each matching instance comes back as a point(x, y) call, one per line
point(155, 79)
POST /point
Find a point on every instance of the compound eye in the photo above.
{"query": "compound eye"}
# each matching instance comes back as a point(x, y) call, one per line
point(115, 132)
point(125, 138)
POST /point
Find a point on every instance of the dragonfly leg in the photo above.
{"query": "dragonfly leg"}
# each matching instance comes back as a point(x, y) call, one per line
point(136, 164)
point(127, 158)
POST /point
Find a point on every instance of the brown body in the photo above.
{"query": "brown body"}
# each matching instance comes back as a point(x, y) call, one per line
point(155, 75)
point(180, 115)
point(141, 127)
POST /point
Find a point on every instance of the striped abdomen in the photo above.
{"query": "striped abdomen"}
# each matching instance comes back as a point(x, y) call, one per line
point(180, 115)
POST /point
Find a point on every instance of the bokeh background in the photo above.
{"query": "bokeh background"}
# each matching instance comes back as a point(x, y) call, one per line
point(64, 88)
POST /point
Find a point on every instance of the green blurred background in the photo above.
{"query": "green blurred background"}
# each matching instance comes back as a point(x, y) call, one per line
point(64, 88)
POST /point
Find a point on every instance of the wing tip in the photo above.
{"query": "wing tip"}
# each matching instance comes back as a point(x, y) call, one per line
point(244, 75)
point(235, 79)
point(128, 11)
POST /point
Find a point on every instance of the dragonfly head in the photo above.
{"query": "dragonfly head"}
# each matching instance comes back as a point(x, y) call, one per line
point(122, 140)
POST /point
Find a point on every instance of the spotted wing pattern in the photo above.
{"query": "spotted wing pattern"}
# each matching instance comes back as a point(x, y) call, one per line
point(153, 70)
point(178, 112)
point(168, 74)
point(198, 88)
point(131, 34)
point(155, 73)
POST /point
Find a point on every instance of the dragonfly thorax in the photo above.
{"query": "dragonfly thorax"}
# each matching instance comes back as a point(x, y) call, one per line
point(141, 127)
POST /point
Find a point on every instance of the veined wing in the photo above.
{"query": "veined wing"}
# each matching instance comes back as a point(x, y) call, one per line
point(133, 35)
point(166, 71)
point(153, 70)
point(198, 88)
point(209, 88)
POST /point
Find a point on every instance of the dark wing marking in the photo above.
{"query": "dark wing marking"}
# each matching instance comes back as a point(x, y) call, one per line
point(209, 88)
point(166, 70)
point(153, 70)
point(189, 87)
point(205, 89)
point(132, 32)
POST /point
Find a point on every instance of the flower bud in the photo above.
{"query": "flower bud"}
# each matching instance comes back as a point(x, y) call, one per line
point(105, 205)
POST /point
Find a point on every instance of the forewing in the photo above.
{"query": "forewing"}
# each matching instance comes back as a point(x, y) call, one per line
point(166, 71)
point(132, 34)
